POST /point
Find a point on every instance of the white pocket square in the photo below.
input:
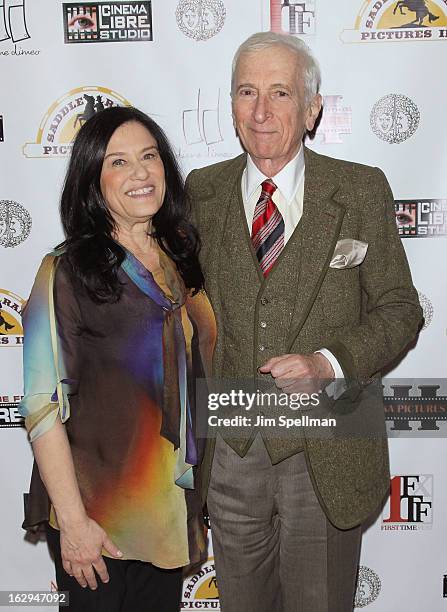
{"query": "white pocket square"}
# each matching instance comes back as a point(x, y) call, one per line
point(348, 253)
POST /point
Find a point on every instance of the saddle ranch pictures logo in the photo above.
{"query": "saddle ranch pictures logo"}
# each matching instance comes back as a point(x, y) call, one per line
point(200, 590)
point(11, 330)
point(63, 120)
point(399, 20)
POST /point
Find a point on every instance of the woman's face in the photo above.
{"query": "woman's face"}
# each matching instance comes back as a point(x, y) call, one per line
point(132, 176)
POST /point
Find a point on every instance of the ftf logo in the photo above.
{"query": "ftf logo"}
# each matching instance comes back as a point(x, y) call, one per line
point(292, 16)
point(410, 505)
point(336, 120)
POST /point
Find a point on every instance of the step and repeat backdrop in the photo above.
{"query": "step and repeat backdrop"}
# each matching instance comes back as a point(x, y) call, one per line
point(384, 95)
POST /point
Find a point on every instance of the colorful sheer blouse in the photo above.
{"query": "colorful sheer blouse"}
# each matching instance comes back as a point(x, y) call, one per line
point(117, 375)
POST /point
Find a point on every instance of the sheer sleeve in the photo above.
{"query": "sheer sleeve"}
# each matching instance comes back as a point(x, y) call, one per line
point(52, 324)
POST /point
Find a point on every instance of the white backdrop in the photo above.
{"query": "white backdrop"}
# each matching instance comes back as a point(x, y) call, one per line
point(383, 68)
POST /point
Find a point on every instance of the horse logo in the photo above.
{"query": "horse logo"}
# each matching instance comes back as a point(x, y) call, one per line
point(415, 6)
point(91, 108)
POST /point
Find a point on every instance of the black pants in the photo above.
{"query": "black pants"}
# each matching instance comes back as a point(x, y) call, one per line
point(134, 586)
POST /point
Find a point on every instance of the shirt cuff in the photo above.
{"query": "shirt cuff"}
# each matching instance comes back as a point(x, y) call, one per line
point(338, 385)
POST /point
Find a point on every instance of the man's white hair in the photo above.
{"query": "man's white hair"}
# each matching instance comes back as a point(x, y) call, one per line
point(265, 40)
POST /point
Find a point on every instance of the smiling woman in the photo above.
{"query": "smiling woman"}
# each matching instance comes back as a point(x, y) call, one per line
point(114, 324)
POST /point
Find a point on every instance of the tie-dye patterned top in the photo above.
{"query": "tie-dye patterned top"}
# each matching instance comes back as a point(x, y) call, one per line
point(117, 374)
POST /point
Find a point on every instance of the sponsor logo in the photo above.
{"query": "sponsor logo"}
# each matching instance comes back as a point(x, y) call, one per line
point(292, 16)
point(200, 19)
point(9, 411)
point(11, 330)
point(15, 223)
point(399, 21)
point(63, 119)
point(201, 125)
point(421, 218)
point(410, 504)
point(336, 120)
point(86, 22)
point(368, 587)
point(13, 28)
point(425, 406)
point(200, 590)
point(394, 118)
point(427, 308)
point(2, 137)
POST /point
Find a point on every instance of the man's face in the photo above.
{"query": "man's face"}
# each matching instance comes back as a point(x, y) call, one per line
point(269, 112)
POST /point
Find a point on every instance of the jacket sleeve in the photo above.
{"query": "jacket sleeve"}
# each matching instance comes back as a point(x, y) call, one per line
point(391, 313)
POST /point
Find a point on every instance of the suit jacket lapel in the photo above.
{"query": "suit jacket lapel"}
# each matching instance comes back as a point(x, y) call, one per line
point(319, 229)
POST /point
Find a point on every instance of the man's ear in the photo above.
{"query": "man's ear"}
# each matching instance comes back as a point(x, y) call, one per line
point(313, 111)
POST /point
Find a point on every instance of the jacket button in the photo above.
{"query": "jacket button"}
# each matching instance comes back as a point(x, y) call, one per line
point(264, 301)
point(261, 347)
point(263, 324)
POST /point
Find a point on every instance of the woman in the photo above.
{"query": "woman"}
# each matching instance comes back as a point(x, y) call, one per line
point(109, 327)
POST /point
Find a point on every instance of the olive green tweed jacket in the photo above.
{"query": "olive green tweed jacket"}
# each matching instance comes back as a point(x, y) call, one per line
point(364, 315)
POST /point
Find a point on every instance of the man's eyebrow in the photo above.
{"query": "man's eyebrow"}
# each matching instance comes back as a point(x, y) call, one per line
point(280, 85)
point(246, 85)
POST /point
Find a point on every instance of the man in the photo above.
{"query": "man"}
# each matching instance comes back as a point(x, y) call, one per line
point(286, 512)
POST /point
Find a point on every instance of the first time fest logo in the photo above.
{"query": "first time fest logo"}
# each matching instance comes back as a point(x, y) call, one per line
point(88, 22)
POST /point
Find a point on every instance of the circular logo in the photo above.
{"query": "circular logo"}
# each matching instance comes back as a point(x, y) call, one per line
point(64, 118)
point(368, 587)
point(200, 589)
point(200, 19)
point(15, 223)
point(394, 118)
point(427, 308)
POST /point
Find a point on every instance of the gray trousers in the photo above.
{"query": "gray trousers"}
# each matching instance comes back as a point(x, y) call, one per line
point(274, 549)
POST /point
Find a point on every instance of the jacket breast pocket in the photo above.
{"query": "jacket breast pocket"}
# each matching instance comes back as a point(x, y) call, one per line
point(339, 298)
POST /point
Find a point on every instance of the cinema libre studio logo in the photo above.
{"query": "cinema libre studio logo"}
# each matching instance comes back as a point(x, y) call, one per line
point(64, 118)
point(410, 504)
point(399, 21)
point(90, 22)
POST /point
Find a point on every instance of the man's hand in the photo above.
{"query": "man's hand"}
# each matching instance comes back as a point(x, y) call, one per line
point(81, 550)
point(299, 373)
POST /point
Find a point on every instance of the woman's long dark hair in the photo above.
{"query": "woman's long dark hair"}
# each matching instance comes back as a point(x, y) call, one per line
point(89, 247)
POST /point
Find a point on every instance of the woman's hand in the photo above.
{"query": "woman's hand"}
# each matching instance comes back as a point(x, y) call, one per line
point(81, 548)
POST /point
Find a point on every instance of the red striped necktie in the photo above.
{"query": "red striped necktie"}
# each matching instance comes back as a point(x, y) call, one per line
point(267, 232)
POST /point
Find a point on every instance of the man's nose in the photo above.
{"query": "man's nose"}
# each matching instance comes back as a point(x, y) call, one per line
point(262, 108)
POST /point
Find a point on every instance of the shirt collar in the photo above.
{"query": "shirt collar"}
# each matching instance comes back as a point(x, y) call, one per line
point(287, 180)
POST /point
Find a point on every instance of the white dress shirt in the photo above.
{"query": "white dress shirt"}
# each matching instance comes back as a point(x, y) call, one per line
point(288, 198)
